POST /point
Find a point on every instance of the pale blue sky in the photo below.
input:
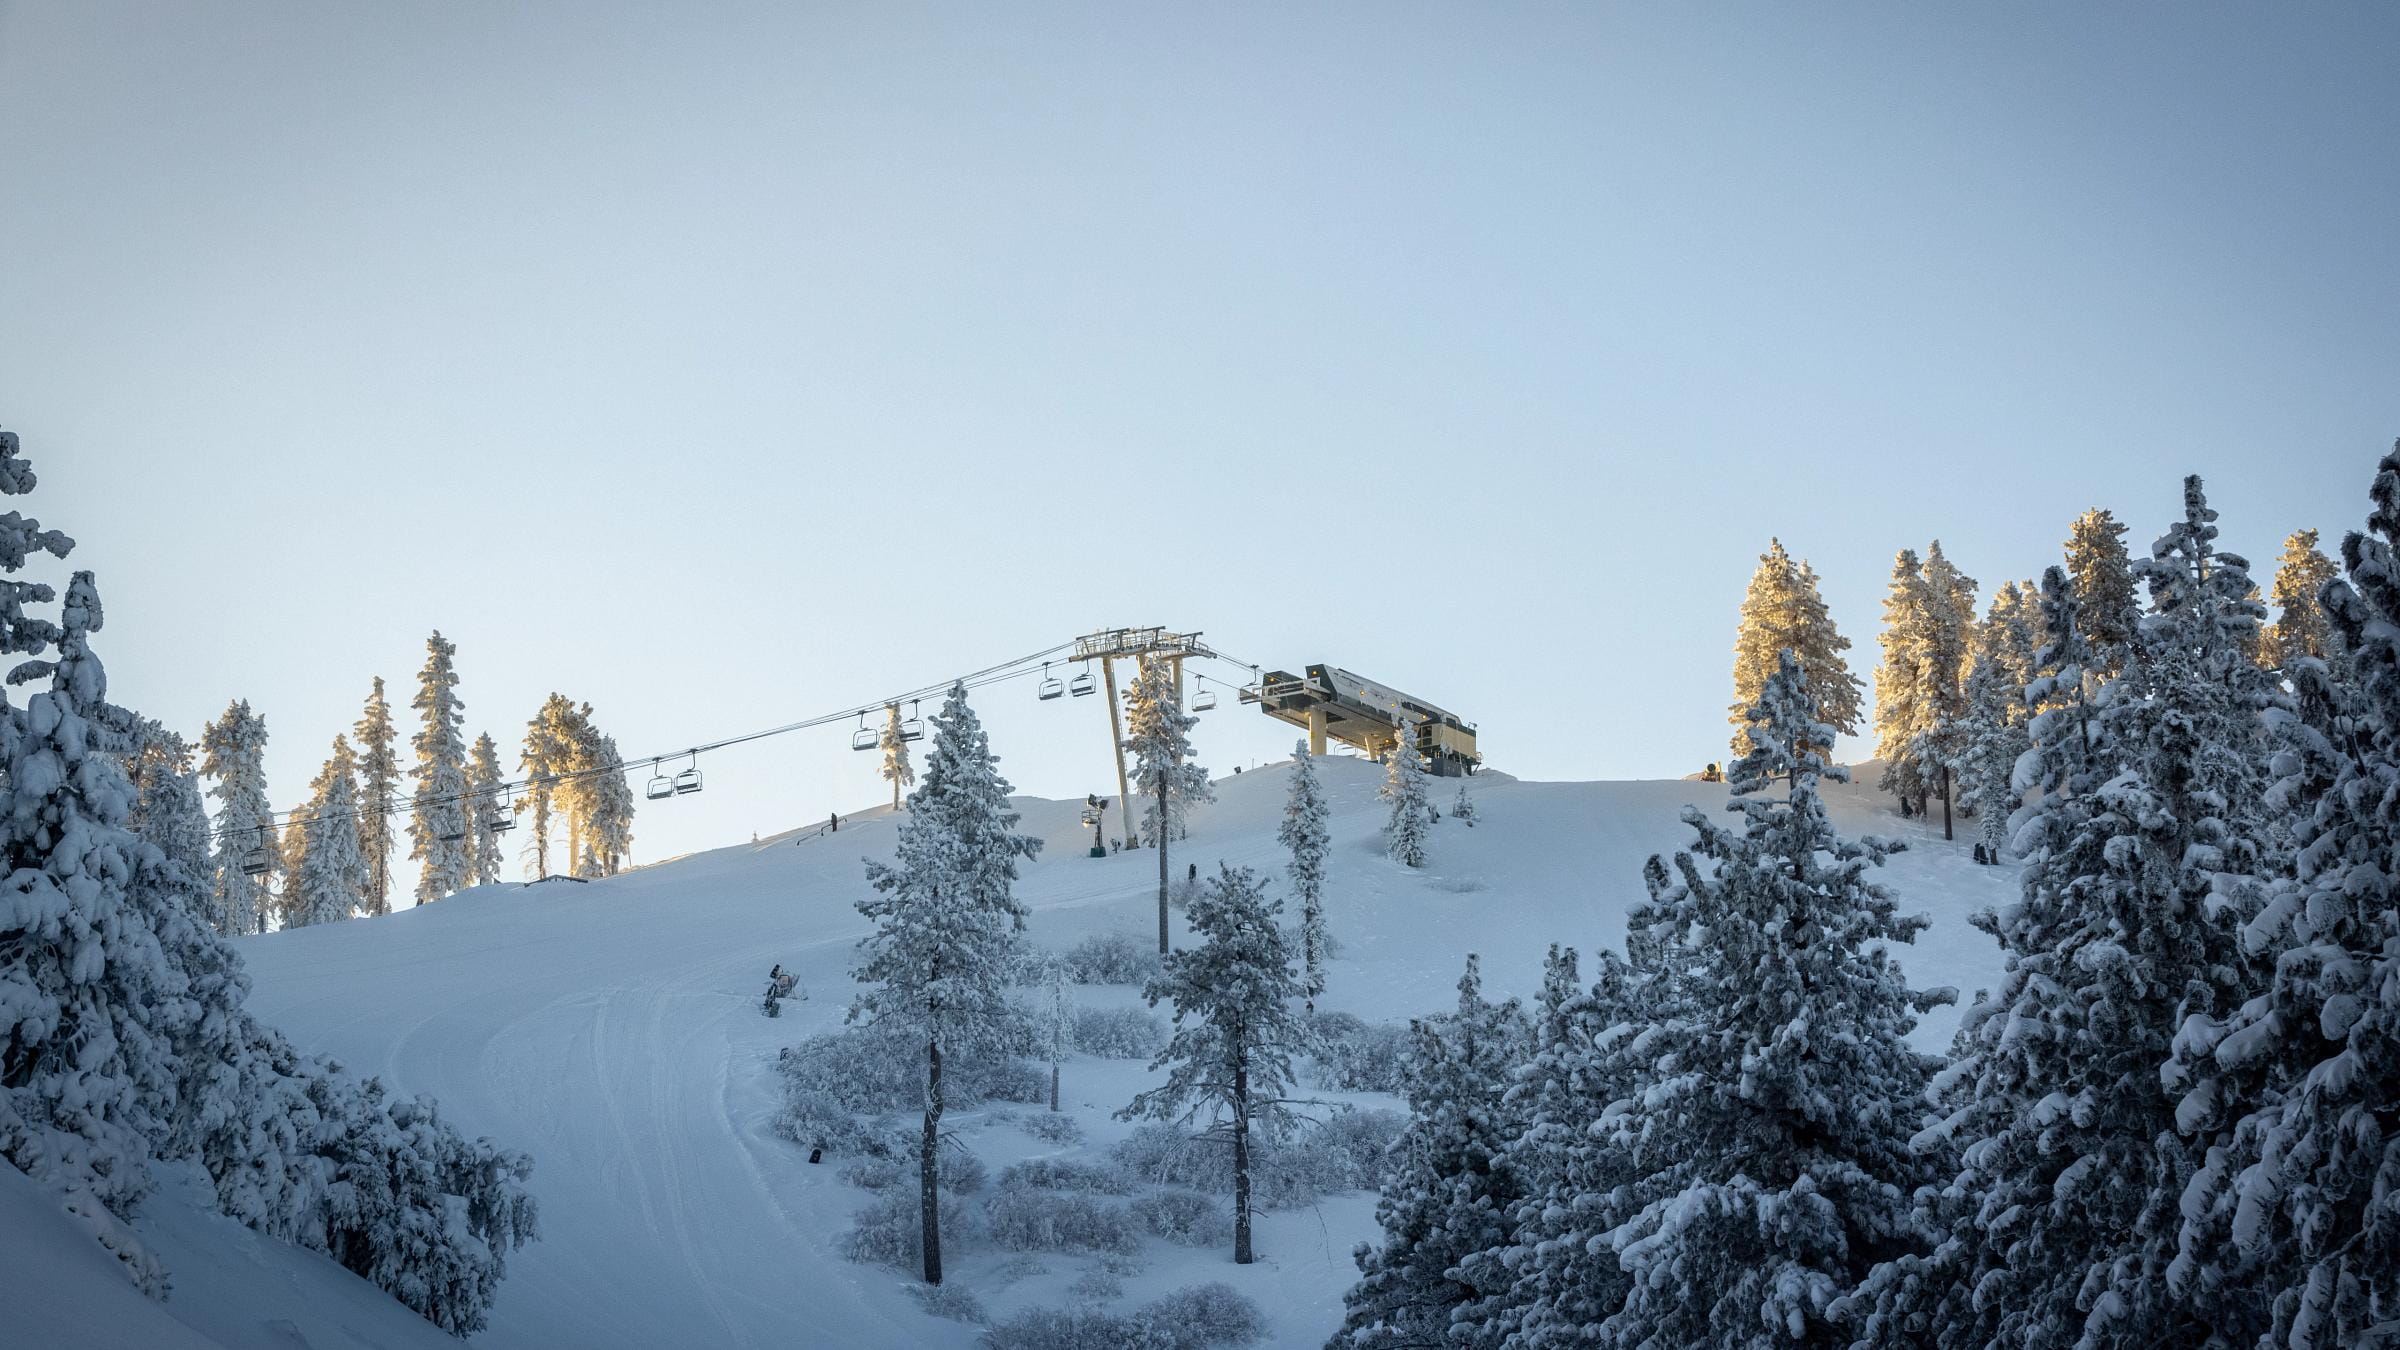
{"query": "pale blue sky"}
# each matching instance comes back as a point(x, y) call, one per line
point(725, 364)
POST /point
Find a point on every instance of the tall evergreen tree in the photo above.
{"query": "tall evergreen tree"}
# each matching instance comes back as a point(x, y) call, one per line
point(2290, 1233)
point(1450, 1192)
point(607, 803)
point(167, 810)
point(1903, 681)
point(233, 752)
point(1771, 1136)
point(379, 797)
point(547, 757)
point(1158, 736)
point(946, 918)
point(896, 769)
point(437, 825)
point(331, 873)
point(2104, 591)
point(1229, 1063)
point(1405, 830)
point(2301, 627)
point(483, 790)
point(1784, 611)
point(1305, 835)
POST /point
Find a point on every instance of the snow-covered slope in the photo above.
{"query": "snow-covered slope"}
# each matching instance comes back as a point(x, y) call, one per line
point(613, 1030)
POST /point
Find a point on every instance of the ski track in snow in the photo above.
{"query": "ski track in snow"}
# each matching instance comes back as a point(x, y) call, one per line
point(613, 1031)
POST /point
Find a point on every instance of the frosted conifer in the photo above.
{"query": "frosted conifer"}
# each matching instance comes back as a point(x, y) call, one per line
point(378, 795)
point(1783, 610)
point(1404, 831)
point(1450, 1192)
point(233, 752)
point(2301, 627)
point(437, 825)
point(608, 804)
point(1305, 835)
point(330, 874)
point(2104, 591)
point(487, 809)
point(1771, 1138)
point(896, 769)
point(547, 756)
point(1229, 1063)
point(946, 918)
point(1158, 736)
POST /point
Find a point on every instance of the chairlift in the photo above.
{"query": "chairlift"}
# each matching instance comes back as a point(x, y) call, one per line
point(1081, 684)
point(864, 738)
point(1091, 817)
point(1204, 700)
point(504, 818)
point(1051, 686)
point(660, 786)
point(255, 862)
point(689, 780)
point(912, 727)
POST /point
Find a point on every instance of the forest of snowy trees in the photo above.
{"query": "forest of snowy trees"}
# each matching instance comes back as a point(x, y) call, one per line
point(2177, 1120)
point(124, 1041)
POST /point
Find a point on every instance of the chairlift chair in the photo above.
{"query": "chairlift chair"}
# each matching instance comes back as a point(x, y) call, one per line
point(688, 780)
point(912, 727)
point(1091, 817)
point(1081, 684)
point(1204, 700)
point(864, 738)
point(504, 818)
point(1051, 686)
point(660, 786)
point(254, 862)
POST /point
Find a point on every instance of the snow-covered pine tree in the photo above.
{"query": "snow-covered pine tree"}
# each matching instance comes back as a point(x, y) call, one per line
point(946, 918)
point(2291, 1230)
point(2068, 1165)
point(167, 809)
point(1404, 831)
point(2301, 627)
point(437, 823)
point(1462, 808)
point(233, 752)
point(547, 755)
point(1449, 1193)
point(1991, 740)
point(1158, 736)
point(608, 806)
point(1771, 1136)
point(1229, 1063)
point(1783, 610)
point(1949, 654)
point(331, 873)
point(1054, 1022)
point(2104, 591)
point(379, 796)
point(896, 769)
point(1901, 717)
point(483, 792)
point(1305, 835)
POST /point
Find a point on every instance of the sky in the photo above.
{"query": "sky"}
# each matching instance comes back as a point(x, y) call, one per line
point(723, 365)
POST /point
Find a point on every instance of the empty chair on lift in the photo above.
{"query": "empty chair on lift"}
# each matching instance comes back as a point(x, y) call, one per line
point(660, 787)
point(912, 727)
point(689, 779)
point(1051, 686)
point(255, 863)
point(1081, 684)
point(505, 818)
point(864, 738)
point(1204, 700)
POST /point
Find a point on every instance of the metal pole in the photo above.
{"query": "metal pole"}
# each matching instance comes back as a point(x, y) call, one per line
point(1116, 734)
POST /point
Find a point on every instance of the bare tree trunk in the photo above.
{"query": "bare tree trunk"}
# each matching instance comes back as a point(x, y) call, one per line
point(1162, 864)
point(1241, 1163)
point(928, 1164)
point(1946, 802)
point(1054, 1085)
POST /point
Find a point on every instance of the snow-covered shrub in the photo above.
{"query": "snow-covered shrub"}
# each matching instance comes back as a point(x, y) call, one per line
point(1119, 1033)
point(1023, 1266)
point(868, 1071)
point(1051, 1127)
point(1096, 1286)
point(1067, 1174)
point(955, 1170)
point(1185, 1217)
point(1112, 958)
point(1286, 1171)
point(1199, 1318)
point(814, 1119)
point(951, 1301)
point(1030, 1219)
point(889, 1231)
point(1355, 1057)
point(1364, 1140)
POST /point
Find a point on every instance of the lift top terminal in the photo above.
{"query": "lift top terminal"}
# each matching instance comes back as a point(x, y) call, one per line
point(1331, 702)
